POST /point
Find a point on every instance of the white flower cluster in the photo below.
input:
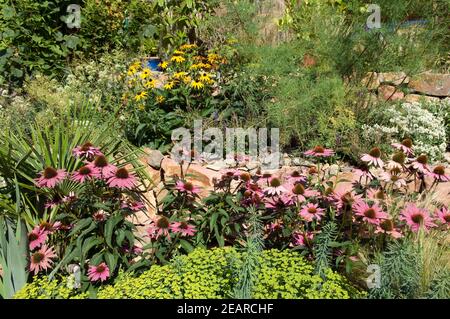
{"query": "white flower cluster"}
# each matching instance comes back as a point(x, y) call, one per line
point(426, 129)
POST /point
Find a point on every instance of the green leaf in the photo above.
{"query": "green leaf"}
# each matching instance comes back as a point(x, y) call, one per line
point(109, 228)
point(111, 260)
point(186, 245)
point(83, 223)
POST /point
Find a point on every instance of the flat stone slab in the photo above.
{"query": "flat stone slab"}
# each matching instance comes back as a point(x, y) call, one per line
point(434, 84)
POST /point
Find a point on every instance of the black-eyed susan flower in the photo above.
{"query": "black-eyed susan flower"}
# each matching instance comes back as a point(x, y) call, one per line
point(197, 85)
point(163, 65)
point(169, 85)
point(160, 99)
point(187, 46)
point(140, 96)
point(187, 79)
point(131, 70)
point(145, 73)
point(177, 59)
point(205, 78)
point(180, 75)
point(178, 52)
point(196, 66)
point(150, 84)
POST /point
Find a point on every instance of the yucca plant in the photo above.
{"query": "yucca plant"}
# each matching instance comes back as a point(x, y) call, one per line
point(13, 256)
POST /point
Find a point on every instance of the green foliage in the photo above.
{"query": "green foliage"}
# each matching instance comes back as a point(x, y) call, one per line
point(254, 245)
point(400, 272)
point(323, 249)
point(43, 288)
point(440, 286)
point(13, 251)
point(210, 274)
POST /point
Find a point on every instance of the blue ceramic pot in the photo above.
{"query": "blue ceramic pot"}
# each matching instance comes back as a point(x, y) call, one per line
point(153, 64)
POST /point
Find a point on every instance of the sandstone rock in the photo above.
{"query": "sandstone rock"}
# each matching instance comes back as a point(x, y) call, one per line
point(411, 98)
point(370, 99)
point(154, 158)
point(395, 78)
point(431, 84)
point(389, 93)
point(217, 165)
point(447, 157)
point(371, 81)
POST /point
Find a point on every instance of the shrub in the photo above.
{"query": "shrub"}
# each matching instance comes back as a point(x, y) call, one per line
point(410, 120)
point(43, 288)
point(209, 274)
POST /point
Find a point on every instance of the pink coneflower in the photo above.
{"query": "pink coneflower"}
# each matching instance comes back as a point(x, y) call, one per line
point(133, 206)
point(274, 226)
point(37, 237)
point(416, 217)
point(371, 214)
point(302, 239)
point(159, 227)
point(397, 161)
point(296, 177)
point(69, 198)
point(122, 179)
point(443, 215)
point(300, 193)
point(84, 173)
point(387, 227)
point(42, 259)
point(311, 211)
point(405, 146)
point(55, 201)
point(50, 177)
point(278, 202)
point(376, 194)
point(373, 157)
point(393, 176)
point(100, 216)
point(275, 187)
point(50, 228)
point(104, 169)
point(86, 150)
point(187, 187)
point(363, 172)
point(100, 272)
point(421, 164)
point(439, 175)
point(230, 173)
point(345, 199)
point(183, 228)
point(320, 151)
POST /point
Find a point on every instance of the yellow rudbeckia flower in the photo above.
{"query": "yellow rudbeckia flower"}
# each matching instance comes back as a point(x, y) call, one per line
point(187, 79)
point(160, 99)
point(145, 73)
point(163, 65)
point(140, 96)
point(177, 59)
point(131, 70)
point(197, 85)
point(141, 107)
point(205, 78)
point(169, 85)
point(178, 52)
point(179, 75)
point(151, 84)
point(187, 46)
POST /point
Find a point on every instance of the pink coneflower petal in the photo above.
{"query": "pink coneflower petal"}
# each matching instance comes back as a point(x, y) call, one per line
point(421, 164)
point(37, 237)
point(443, 216)
point(344, 199)
point(310, 211)
point(393, 178)
point(100, 272)
point(84, 173)
point(183, 228)
point(104, 169)
point(42, 259)
point(50, 177)
point(373, 157)
point(87, 150)
point(122, 179)
point(187, 187)
point(275, 187)
point(387, 227)
point(371, 214)
point(416, 217)
point(405, 146)
point(320, 151)
point(133, 206)
point(160, 226)
point(302, 239)
point(438, 173)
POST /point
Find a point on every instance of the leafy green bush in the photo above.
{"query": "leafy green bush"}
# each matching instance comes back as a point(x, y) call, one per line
point(43, 288)
point(209, 274)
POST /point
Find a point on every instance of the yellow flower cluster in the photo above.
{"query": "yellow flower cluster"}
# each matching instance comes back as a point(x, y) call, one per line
point(185, 69)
